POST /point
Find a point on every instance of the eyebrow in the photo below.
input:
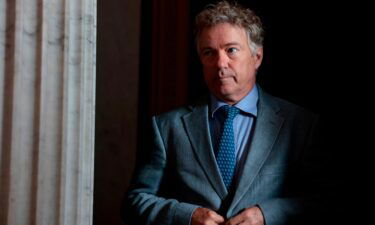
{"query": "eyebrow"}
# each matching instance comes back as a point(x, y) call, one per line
point(225, 45)
point(232, 43)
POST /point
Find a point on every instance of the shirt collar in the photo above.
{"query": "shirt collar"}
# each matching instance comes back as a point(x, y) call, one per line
point(248, 104)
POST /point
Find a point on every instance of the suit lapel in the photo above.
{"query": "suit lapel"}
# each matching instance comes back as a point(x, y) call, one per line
point(197, 128)
point(267, 126)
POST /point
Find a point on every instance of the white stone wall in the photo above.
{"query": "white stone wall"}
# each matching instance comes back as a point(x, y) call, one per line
point(47, 108)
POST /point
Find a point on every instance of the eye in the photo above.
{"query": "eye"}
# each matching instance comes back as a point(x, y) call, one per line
point(207, 52)
point(232, 50)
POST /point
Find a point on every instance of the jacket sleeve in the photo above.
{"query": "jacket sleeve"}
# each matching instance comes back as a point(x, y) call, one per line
point(142, 205)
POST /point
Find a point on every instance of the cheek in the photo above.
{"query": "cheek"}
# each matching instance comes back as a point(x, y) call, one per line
point(208, 78)
point(208, 72)
point(247, 69)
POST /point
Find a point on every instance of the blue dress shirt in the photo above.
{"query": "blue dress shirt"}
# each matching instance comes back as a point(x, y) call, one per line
point(242, 124)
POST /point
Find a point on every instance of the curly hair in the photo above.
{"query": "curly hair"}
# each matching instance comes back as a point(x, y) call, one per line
point(232, 13)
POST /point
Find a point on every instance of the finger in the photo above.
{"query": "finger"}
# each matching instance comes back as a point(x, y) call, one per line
point(216, 217)
point(235, 220)
point(211, 222)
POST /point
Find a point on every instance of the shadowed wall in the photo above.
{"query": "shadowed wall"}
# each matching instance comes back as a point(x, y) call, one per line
point(116, 105)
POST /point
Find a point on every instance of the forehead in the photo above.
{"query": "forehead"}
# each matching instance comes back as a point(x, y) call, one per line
point(221, 34)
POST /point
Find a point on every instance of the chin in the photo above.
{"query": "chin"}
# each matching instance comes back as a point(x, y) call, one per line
point(227, 97)
point(225, 92)
point(224, 87)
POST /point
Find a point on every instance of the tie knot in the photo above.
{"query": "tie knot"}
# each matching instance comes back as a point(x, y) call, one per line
point(230, 111)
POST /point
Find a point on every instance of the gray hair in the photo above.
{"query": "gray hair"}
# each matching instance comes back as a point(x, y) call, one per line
point(224, 12)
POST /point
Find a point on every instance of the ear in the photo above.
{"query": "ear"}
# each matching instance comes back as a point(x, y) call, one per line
point(258, 57)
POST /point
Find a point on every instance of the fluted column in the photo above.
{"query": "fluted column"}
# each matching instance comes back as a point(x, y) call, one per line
point(47, 105)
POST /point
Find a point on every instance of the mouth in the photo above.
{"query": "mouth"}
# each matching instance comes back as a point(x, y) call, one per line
point(224, 79)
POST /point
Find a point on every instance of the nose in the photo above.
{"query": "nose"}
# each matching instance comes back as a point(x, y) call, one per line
point(222, 60)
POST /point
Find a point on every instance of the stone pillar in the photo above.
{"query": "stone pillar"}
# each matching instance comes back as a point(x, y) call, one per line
point(47, 107)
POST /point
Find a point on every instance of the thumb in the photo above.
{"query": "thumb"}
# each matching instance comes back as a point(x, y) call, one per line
point(216, 217)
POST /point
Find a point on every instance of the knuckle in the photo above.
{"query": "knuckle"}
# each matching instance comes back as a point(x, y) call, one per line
point(210, 214)
point(248, 214)
point(206, 222)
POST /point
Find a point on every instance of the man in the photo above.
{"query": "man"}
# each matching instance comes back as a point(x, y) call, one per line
point(239, 156)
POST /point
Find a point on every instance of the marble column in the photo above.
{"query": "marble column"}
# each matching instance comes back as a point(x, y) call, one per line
point(47, 108)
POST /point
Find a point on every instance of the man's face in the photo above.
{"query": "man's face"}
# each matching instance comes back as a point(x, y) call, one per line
point(229, 66)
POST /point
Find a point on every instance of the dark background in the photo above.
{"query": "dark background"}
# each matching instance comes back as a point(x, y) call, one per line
point(314, 57)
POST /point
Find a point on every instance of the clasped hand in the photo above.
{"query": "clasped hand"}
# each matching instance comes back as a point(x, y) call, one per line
point(250, 216)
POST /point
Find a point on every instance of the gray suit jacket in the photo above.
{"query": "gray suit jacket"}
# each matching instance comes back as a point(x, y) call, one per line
point(178, 173)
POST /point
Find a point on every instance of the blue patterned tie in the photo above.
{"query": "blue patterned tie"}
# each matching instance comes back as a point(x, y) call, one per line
point(226, 156)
